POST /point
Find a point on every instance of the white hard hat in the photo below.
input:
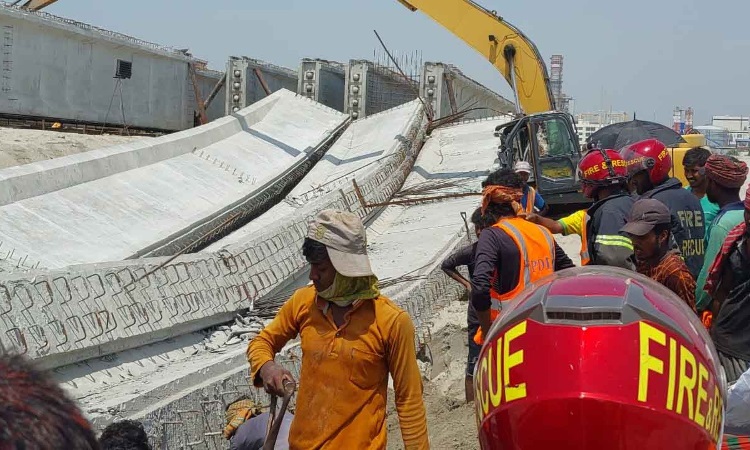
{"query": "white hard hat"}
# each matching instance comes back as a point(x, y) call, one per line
point(522, 166)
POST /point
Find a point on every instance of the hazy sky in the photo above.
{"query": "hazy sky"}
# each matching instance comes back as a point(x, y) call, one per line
point(646, 56)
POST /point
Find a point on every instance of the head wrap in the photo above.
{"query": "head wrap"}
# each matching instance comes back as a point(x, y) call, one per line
point(237, 413)
point(726, 171)
point(747, 198)
point(503, 194)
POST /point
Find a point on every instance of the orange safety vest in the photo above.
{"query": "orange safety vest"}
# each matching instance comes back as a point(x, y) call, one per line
point(585, 255)
point(537, 248)
point(530, 197)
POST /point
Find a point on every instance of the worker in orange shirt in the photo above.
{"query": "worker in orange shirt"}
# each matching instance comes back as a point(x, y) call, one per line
point(352, 338)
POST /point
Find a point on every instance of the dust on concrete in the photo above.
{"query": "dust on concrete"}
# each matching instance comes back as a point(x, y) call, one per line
point(451, 422)
point(18, 146)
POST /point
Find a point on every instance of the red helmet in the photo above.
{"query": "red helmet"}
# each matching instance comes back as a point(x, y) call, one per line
point(594, 358)
point(600, 168)
point(649, 155)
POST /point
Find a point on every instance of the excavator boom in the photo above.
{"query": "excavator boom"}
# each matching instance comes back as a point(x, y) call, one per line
point(505, 46)
point(36, 5)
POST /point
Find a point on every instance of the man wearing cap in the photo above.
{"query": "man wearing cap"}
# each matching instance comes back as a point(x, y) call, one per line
point(726, 175)
point(531, 198)
point(352, 338)
point(649, 228)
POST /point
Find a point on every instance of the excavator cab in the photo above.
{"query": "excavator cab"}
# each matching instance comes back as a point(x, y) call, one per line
point(548, 141)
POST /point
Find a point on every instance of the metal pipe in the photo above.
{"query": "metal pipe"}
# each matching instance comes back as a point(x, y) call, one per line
point(262, 81)
point(198, 99)
point(215, 91)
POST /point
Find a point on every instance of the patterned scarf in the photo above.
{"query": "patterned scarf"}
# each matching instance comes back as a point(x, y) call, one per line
point(502, 194)
point(346, 290)
point(714, 273)
point(237, 413)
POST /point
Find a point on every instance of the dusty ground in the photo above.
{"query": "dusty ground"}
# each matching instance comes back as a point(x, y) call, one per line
point(450, 421)
point(19, 147)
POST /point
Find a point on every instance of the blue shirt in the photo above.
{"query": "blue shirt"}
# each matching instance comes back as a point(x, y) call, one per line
point(538, 200)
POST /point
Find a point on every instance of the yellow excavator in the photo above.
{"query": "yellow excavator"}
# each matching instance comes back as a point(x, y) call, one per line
point(34, 5)
point(540, 135)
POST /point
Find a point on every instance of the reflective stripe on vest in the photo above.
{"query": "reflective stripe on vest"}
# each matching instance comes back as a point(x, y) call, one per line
point(585, 256)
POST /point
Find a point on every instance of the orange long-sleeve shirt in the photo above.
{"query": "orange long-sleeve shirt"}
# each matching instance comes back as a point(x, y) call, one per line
point(343, 383)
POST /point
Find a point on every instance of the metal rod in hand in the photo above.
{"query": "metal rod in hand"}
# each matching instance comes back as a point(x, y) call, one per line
point(275, 422)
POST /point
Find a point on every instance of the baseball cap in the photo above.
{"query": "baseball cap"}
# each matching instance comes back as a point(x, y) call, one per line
point(645, 214)
point(522, 166)
point(344, 236)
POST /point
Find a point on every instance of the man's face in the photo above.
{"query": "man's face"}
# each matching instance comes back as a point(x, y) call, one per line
point(640, 183)
point(322, 274)
point(524, 176)
point(646, 247)
point(695, 176)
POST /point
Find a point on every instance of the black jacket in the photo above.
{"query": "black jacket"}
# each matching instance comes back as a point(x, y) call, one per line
point(688, 227)
point(607, 247)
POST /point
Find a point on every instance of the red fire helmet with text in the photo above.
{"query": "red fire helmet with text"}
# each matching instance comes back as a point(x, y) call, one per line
point(599, 168)
point(649, 155)
point(598, 358)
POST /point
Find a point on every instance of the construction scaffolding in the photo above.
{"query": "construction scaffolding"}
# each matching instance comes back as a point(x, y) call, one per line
point(562, 101)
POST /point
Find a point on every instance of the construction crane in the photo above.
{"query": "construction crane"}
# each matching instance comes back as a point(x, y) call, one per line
point(34, 5)
point(544, 137)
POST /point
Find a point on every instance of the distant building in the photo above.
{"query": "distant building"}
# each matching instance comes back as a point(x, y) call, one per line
point(738, 128)
point(588, 123)
point(716, 137)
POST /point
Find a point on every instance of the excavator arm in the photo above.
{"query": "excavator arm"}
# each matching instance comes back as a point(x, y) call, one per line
point(504, 45)
point(36, 5)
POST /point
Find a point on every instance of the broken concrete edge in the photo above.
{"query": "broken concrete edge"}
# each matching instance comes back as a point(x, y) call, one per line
point(167, 423)
point(65, 316)
point(39, 178)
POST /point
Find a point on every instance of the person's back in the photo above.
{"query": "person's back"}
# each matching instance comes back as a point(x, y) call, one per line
point(688, 225)
point(603, 179)
point(606, 246)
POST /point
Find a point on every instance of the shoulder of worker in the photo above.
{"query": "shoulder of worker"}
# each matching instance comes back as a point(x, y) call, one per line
point(619, 205)
point(671, 194)
point(302, 299)
point(387, 312)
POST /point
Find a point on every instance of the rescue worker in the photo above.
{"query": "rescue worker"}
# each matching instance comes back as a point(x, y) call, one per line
point(510, 254)
point(728, 284)
point(603, 178)
point(352, 338)
point(247, 425)
point(465, 257)
point(595, 358)
point(693, 164)
point(649, 164)
point(531, 198)
point(726, 175)
point(649, 227)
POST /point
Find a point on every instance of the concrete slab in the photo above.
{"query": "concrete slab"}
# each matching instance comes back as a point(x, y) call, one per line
point(127, 206)
point(366, 147)
point(406, 245)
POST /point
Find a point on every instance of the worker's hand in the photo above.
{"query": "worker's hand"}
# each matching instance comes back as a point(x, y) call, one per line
point(532, 217)
point(276, 378)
